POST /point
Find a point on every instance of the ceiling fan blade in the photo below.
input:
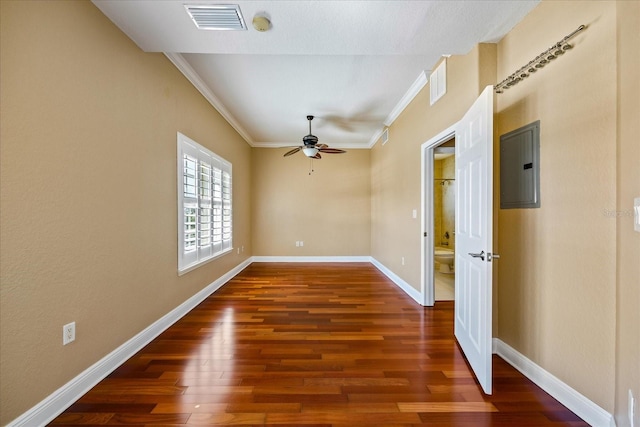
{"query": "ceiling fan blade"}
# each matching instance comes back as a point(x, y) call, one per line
point(367, 115)
point(342, 123)
point(294, 151)
point(319, 146)
point(317, 156)
point(331, 150)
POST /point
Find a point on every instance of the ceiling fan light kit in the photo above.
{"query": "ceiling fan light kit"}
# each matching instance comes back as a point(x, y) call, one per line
point(311, 148)
point(310, 151)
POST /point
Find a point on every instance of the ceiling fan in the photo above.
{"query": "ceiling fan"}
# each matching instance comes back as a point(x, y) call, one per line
point(311, 148)
point(363, 118)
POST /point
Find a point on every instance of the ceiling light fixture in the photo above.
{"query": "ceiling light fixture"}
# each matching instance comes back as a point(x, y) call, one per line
point(311, 148)
point(310, 151)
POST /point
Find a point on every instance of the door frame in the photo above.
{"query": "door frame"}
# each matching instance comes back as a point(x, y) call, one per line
point(427, 282)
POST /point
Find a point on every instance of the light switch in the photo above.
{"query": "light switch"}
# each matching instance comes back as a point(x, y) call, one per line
point(415, 213)
point(636, 214)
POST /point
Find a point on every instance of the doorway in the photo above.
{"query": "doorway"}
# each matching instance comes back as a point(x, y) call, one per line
point(434, 153)
point(444, 216)
point(473, 136)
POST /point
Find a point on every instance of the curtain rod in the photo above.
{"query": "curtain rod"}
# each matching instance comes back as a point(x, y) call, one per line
point(538, 62)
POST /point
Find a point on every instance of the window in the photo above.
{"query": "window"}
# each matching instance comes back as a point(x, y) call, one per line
point(204, 205)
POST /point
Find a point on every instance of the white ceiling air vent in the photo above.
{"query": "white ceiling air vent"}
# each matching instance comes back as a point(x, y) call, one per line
point(216, 16)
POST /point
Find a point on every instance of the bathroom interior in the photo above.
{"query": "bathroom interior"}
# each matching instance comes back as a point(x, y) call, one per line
point(444, 196)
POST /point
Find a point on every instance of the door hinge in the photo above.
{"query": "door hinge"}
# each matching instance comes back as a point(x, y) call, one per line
point(425, 234)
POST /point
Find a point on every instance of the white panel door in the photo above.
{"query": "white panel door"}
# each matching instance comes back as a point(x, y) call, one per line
point(474, 216)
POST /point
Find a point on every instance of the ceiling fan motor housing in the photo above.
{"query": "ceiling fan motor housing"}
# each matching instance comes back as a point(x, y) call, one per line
point(310, 140)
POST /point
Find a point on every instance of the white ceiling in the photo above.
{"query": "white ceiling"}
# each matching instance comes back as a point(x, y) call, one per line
point(349, 63)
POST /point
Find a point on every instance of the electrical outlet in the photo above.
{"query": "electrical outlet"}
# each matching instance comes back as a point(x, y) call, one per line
point(242, 249)
point(632, 408)
point(68, 333)
point(301, 243)
point(297, 243)
point(238, 251)
point(402, 260)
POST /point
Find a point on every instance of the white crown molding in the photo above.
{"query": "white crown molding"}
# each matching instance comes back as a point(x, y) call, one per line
point(276, 144)
point(376, 136)
point(183, 66)
point(415, 88)
point(348, 145)
point(65, 396)
point(587, 410)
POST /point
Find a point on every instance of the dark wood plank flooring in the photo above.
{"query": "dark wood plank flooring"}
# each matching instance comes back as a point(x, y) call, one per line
point(311, 345)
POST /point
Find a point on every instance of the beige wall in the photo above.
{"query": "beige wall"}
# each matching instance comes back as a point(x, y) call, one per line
point(329, 209)
point(88, 192)
point(395, 166)
point(628, 182)
point(556, 282)
point(99, 247)
point(557, 291)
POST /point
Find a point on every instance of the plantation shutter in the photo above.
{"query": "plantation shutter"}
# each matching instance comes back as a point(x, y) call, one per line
point(205, 205)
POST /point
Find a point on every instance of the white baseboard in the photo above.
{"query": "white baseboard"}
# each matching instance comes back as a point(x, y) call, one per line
point(311, 259)
point(407, 288)
point(65, 396)
point(54, 404)
point(587, 410)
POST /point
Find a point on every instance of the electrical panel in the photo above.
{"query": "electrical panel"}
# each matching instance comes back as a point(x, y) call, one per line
point(520, 168)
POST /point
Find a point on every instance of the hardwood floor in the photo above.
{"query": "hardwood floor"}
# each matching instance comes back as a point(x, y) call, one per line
point(311, 345)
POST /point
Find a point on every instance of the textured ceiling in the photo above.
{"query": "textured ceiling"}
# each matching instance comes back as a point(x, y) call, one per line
point(347, 62)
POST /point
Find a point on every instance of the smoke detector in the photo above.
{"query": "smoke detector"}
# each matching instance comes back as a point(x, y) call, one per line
point(261, 23)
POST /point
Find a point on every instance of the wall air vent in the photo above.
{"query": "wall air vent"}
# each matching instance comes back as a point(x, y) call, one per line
point(438, 82)
point(216, 16)
point(385, 136)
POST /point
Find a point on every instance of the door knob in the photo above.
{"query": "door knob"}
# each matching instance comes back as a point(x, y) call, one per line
point(491, 256)
point(480, 255)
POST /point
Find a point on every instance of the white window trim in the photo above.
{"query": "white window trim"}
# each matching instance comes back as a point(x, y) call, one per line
point(211, 249)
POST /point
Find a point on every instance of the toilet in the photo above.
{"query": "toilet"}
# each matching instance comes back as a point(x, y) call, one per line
point(446, 258)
